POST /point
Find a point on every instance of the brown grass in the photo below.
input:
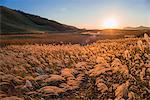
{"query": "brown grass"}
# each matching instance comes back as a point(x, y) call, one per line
point(108, 69)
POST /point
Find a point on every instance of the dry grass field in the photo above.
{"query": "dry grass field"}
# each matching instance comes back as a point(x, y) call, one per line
point(62, 38)
point(66, 38)
point(108, 69)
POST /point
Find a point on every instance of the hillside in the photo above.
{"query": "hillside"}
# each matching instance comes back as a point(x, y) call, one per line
point(137, 28)
point(14, 21)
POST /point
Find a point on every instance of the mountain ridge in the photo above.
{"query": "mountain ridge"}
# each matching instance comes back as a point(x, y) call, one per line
point(137, 28)
point(16, 21)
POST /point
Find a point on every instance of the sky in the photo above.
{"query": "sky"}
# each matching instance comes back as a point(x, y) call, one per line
point(90, 14)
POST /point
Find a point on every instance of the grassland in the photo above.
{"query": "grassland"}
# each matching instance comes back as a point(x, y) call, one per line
point(62, 38)
point(80, 37)
point(107, 69)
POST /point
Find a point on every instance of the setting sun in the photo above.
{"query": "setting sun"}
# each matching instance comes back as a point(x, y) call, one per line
point(110, 23)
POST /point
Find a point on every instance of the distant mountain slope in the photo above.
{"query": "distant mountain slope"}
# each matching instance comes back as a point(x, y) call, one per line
point(14, 21)
point(137, 28)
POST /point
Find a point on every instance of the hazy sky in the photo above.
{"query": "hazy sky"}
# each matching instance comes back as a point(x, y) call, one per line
point(87, 13)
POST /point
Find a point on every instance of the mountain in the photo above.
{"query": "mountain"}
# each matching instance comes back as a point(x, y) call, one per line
point(137, 28)
point(15, 21)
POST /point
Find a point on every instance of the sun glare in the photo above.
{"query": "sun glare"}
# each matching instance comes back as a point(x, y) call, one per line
point(110, 23)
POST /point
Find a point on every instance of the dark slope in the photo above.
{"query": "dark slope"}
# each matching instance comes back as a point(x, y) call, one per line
point(14, 21)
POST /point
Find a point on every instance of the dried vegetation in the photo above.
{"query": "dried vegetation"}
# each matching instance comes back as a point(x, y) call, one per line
point(108, 69)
